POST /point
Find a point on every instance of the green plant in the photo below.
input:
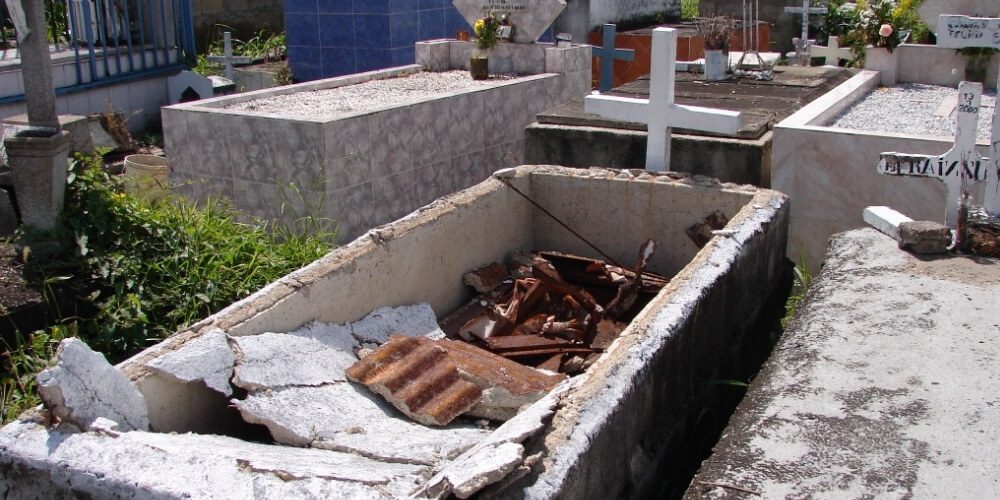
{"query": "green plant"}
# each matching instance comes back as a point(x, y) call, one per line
point(55, 21)
point(283, 74)
point(21, 364)
point(689, 9)
point(151, 270)
point(839, 20)
point(801, 280)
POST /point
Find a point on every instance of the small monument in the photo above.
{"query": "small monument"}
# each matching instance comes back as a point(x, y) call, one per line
point(530, 18)
point(608, 54)
point(960, 167)
point(659, 112)
point(803, 43)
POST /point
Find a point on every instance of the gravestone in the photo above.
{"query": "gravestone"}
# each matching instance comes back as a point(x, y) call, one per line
point(530, 17)
point(833, 50)
point(960, 167)
point(803, 43)
point(659, 112)
point(958, 32)
point(608, 54)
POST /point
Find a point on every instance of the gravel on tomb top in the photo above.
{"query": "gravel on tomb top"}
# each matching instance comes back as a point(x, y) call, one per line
point(366, 96)
point(909, 108)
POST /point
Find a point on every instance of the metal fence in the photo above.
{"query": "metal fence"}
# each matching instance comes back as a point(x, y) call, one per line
point(108, 41)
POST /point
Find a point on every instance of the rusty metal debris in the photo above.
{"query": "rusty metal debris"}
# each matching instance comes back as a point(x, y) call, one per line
point(552, 310)
point(701, 232)
point(434, 381)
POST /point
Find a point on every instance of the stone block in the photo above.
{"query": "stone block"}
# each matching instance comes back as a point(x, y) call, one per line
point(434, 55)
point(83, 387)
point(39, 166)
point(923, 236)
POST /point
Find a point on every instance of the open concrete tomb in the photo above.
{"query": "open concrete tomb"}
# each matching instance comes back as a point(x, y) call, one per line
point(270, 368)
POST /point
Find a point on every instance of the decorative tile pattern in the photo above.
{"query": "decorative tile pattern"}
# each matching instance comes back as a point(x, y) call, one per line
point(339, 37)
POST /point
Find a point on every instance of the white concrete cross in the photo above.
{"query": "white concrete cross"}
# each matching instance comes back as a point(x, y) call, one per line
point(958, 32)
point(659, 112)
point(959, 167)
point(805, 10)
point(833, 50)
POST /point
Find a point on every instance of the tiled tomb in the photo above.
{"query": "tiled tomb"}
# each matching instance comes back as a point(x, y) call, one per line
point(366, 168)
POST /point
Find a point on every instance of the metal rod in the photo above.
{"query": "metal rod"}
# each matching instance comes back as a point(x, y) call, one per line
point(102, 34)
point(75, 41)
point(163, 27)
point(563, 224)
point(128, 37)
point(115, 31)
point(88, 25)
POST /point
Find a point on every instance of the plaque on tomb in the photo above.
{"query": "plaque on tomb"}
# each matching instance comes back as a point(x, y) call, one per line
point(529, 18)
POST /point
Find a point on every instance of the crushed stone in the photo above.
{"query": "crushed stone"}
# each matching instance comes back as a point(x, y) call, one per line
point(367, 96)
point(909, 108)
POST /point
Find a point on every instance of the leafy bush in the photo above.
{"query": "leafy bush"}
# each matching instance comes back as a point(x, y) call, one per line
point(689, 9)
point(20, 364)
point(150, 270)
point(881, 23)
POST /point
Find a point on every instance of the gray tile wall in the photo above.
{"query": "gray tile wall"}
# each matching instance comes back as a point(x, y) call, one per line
point(367, 169)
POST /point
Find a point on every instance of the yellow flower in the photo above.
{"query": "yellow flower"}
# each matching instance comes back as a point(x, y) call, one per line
point(480, 24)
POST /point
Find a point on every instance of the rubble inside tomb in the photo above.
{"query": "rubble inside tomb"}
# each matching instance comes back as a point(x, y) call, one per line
point(551, 311)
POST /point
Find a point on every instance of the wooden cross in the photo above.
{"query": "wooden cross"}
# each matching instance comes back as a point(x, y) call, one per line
point(659, 112)
point(608, 53)
point(958, 32)
point(959, 167)
point(833, 50)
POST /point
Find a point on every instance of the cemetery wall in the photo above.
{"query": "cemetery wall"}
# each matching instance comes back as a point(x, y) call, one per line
point(830, 174)
point(583, 16)
point(244, 16)
point(784, 26)
point(367, 168)
point(139, 99)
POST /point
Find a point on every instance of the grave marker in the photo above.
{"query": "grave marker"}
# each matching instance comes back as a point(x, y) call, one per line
point(802, 47)
point(833, 50)
point(659, 112)
point(608, 53)
point(958, 32)
point(957, 168)
point(530, 17)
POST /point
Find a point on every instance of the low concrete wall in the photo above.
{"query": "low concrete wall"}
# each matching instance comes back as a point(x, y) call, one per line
point(741, 161)
point(829, 173)
point(883, 386)
point(925, 64)
point(367, 168)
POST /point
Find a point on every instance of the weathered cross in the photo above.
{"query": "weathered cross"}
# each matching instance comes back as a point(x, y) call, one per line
point(833, 50)
point(959, 167)
point(958, 32)
point(608, 53)
point(659, 112)
point(801, 48)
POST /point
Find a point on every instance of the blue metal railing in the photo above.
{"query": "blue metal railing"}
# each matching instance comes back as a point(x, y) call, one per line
point(110, 41)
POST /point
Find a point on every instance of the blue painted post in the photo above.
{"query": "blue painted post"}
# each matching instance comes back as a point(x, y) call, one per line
point(608, 54)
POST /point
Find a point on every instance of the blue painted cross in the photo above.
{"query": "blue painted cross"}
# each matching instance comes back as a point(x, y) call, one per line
point(608, 53)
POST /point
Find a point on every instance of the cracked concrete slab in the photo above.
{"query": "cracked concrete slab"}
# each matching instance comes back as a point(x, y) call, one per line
point(884, 384)
point(187, 466)
point(346, 417)
point(417, 320)
point(276, 360)
point(83, 387)
point(207, 358)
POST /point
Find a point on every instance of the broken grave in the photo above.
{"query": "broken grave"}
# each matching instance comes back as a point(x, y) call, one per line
point(256, 400)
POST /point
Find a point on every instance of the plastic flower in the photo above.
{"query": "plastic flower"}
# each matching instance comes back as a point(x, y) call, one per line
point(885, 31)
point(480, 24)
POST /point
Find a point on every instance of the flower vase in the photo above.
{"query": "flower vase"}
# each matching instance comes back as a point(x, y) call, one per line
point(716, 64)
point(479, 64)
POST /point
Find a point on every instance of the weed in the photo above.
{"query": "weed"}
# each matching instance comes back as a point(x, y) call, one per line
point(801, 280)
point(21, 364)
point(690, 9)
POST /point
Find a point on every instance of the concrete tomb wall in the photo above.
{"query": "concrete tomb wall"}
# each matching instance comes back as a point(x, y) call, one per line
point(583, 16)
point(369, 167)
point(632, 408)
point(829, 173)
